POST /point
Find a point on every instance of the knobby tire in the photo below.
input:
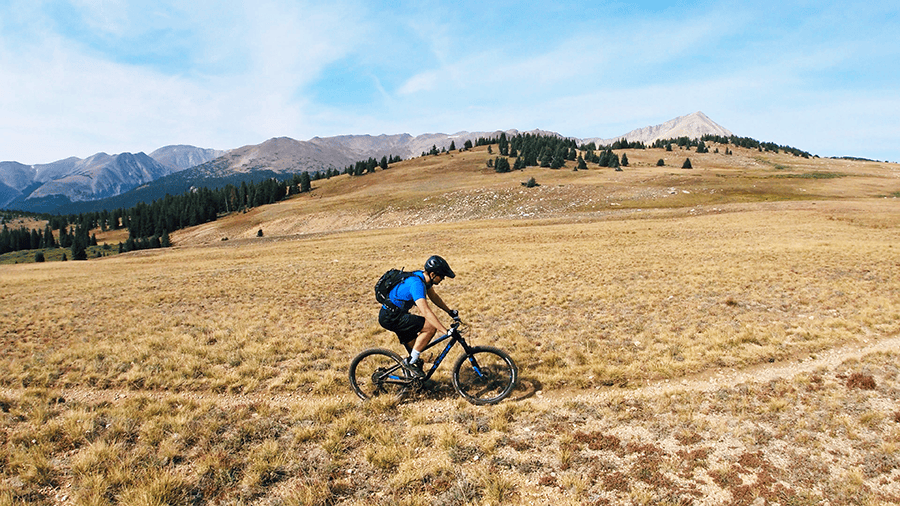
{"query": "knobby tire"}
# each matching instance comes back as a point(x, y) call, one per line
point(497, 378)
point(376, 372)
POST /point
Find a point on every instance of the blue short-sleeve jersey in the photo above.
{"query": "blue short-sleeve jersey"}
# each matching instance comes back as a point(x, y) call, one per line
point(405, 294)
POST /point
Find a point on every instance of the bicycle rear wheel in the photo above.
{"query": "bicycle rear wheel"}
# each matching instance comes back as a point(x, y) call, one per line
point(377, 372)
point(487, 375)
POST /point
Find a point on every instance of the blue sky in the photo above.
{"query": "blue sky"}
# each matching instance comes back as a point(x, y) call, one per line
point(82, 76)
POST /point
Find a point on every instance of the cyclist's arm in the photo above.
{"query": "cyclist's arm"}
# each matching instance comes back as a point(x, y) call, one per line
point(429, 315)
point(438, 301)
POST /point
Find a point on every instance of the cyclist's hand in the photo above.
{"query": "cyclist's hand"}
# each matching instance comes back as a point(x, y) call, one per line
point(454, 314)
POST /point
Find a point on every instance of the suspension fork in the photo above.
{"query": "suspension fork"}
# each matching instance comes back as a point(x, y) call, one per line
point(471, 357)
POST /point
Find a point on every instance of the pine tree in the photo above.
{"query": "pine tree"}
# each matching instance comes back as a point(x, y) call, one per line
point(687, 164)
point(305, 183)
point(5, 240)
point(546, 158)
point(581, 164)
point(624, 160)
point(79, 247)
point(557, 162)
point(613, 161)
point(603, 159)
point(530, 154)
point(65, 239)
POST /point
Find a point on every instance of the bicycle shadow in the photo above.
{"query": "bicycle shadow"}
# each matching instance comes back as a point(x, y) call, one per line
point(437, 390)
point(526, 388)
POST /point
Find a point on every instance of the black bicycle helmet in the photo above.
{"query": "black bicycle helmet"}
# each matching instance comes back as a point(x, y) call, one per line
point(439, 266)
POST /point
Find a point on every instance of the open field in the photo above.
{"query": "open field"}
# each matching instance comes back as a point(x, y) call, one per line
point(721, 335)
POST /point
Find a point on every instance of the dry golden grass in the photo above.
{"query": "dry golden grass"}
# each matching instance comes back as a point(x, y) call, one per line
point(215, 372)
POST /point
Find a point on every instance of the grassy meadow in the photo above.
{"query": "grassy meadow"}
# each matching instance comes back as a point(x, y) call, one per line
point(214, 372)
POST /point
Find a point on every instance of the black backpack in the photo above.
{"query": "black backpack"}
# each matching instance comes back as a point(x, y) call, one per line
point(387, 282)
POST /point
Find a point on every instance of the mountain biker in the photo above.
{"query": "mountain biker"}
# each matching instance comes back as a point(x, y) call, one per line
point(415, 331)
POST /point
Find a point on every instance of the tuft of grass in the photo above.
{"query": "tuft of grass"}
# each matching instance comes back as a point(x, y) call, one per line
point(266, 465)
point(160, 487)
point(497, 488)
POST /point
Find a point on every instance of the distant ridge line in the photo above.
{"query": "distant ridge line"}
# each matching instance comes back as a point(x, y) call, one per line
point(56, 186)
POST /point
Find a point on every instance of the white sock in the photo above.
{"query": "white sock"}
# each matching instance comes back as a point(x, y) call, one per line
point(413, 356)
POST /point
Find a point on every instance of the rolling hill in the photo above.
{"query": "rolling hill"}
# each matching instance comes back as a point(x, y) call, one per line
point(74, 185)
point(459, 186)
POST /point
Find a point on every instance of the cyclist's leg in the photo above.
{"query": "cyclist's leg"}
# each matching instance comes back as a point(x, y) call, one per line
point(404, 325)
point(408, 328)
point(424, 336)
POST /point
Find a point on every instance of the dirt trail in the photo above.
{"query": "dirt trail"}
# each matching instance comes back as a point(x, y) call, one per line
point(728, 377)
point(703, 382)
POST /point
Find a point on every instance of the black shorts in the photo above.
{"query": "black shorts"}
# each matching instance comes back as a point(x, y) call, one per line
point(406, 326)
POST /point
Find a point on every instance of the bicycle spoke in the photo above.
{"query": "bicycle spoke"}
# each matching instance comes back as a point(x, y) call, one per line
point(377, 372)
point(487, 376)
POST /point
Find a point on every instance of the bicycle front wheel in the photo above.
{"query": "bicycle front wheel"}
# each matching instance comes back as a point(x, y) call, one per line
point(377, 372)
point(487, 375)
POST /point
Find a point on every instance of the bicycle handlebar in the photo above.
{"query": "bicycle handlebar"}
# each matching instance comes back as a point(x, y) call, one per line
point(453, 326)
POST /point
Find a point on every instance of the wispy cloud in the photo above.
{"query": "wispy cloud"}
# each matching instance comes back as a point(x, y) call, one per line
point(82, 76)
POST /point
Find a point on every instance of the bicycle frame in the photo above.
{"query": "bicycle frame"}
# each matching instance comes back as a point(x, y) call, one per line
point(458, 338)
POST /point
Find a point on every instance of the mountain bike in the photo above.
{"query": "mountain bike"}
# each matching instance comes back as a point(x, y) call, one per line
point(481, 375)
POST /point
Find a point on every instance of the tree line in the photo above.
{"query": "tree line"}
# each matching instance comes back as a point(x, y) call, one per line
point(368, 166)
point(541, 150)
point(733, 140)
point(747, 142)
point(149, 225)
point(77, 237)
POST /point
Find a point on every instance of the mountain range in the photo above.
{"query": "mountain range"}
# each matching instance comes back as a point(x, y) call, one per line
point(105, 181)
